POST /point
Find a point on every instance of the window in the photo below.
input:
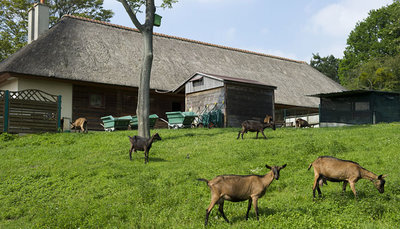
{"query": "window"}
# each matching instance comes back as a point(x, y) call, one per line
point(361, 106)
point(96, 100)
point(198, 83)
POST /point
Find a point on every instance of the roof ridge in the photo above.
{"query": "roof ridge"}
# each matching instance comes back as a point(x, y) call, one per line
point(185, 39)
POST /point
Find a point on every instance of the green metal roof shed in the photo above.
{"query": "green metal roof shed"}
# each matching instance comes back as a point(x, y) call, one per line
point(358, 107)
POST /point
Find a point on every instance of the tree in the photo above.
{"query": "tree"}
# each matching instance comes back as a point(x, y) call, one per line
point(132, 7)
point(380, 74)
point(374, 39)
point(14, 19)
point(328, 65)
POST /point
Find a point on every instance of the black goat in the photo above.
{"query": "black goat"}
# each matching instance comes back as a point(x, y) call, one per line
point(255, 126)
point(142, 144)
point(301, 123)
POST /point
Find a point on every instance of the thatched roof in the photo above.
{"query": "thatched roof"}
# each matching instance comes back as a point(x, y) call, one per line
point(93, 51)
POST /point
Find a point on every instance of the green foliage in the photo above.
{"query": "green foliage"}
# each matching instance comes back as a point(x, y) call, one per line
point(381, 74)
point(372, 40)
point(14, 19)
point(327, 65)
point(74, 180)
point(5, 137)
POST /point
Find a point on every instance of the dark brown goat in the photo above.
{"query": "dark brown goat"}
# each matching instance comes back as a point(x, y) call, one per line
point(302, 123)
point(142, 144)
point(337, 170)
point(255, 126)
point(237, 188)
point(80, 123)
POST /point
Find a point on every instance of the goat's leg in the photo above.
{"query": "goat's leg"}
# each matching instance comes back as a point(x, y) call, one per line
point(316, 176)
point(130, 152)
point(254, 199)
point(214, 200)
point(221, 210)
point(146, 154)
point(265, 137)
point(319, 190)
point(145, 157)
point(353, 188)
point(257, 135)
point(344, 186)
point(238, 135)
point(248, 209)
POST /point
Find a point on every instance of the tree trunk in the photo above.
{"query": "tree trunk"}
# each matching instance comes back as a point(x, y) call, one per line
point(143, 107)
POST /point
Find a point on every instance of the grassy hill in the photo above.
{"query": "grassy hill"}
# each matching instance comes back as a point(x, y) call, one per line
point(74, 180)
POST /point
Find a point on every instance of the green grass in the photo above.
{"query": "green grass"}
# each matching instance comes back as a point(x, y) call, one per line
point(74, 180)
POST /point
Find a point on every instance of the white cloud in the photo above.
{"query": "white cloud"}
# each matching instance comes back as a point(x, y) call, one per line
point(340, 18)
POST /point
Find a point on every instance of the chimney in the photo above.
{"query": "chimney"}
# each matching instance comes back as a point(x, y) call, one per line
point(38, 20)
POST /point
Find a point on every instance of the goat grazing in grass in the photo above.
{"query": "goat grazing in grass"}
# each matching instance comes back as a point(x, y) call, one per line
point(337, 170)
point(300, 123)
point(142, 144)
point(80, 123)
point(237, 188)
point(255, 126)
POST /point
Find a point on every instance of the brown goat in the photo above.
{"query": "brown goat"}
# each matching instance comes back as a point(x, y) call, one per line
point(142, 144)
point(237, 188)
point(80, 123)
point(255, 126)
point(337, 170)
point(302, 123)
point(268, 119)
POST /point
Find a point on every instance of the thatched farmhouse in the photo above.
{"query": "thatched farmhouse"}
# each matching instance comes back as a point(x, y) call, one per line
point(95, 67)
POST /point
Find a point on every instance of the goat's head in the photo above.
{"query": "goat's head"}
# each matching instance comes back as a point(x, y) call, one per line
point(156, 136)
point(276, 170)
point(268, 119)
point(380, 183)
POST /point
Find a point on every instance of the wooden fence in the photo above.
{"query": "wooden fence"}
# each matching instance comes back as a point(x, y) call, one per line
point(29, 111)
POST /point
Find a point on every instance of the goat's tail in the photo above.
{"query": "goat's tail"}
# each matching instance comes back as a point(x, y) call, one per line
point(309, 167)
point(202, 179)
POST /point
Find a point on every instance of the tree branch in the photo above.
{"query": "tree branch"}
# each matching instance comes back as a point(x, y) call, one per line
point(132, 15)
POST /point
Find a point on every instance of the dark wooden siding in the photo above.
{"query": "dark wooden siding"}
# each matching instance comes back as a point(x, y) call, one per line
point(2, 113)
point(117, 101)
point(198, 101)
point(245, 102)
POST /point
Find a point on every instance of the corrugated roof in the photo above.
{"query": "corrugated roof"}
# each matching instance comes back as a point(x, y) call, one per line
point(353, 92)
point(89, 50)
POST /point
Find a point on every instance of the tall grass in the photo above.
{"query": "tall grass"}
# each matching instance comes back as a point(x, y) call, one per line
point(74, 180)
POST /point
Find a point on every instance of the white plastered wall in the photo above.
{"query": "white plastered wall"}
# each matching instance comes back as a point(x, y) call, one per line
point(51, 87)
point(10, 84)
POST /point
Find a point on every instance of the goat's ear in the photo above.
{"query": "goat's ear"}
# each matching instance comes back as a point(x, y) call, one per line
point(382, 176)
point(268, 167)
point(283, 166)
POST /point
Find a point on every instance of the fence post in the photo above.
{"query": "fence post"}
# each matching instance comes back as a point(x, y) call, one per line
point(6, 109)
point(58, 112)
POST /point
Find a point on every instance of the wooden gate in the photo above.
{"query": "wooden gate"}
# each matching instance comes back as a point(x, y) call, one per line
point(29, 111)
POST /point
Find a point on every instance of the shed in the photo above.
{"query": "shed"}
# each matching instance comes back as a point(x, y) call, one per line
point(238, 99)
point(358, 107)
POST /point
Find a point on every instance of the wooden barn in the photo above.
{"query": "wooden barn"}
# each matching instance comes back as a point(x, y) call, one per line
point(358, 107)
point(95, 67)
point(238, 99)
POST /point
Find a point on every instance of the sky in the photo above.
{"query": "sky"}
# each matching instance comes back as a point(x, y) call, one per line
point(292, 29)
